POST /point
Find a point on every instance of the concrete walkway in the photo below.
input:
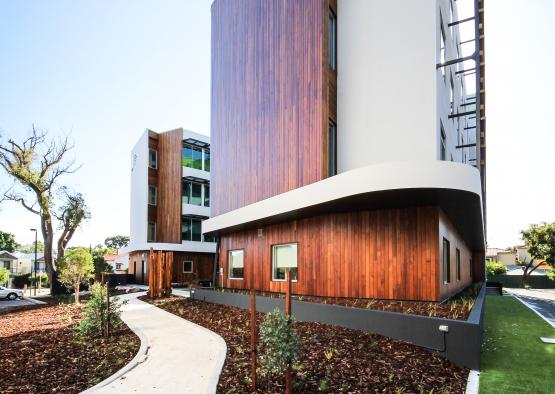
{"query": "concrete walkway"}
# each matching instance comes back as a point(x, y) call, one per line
point(181, 356)
point(541, 301)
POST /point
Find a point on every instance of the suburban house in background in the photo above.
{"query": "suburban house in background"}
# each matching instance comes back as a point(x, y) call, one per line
point(118, 262)
point(170, 198)
point(512, 256)
point(21, 263)
point(353, 154)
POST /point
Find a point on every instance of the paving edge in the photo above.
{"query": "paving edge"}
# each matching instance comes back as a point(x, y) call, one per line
point(34, 301)
point(473, 382)
point(531, 307)
point(139, 358)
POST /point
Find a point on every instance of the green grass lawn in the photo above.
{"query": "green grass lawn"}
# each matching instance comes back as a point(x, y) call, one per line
point(514, 360)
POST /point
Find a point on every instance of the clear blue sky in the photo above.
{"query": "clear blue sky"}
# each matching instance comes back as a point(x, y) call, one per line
point(104, 71)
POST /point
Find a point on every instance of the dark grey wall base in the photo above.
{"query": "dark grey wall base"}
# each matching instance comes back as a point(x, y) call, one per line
point(515, 281)
point(462, 343)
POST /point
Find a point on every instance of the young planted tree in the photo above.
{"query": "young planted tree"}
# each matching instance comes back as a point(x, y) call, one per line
point(281, 343)
point(7, 242)
point(76, 268)
point(540, 242)
point(36, 165)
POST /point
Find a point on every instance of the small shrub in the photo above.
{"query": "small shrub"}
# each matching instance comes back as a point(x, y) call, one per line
point(281, 343)
point(495, 268)
point(19, 281)
point(4, 275)
point(97, 313)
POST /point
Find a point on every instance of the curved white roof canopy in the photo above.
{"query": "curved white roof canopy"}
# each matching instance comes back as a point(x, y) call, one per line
point(455, 187)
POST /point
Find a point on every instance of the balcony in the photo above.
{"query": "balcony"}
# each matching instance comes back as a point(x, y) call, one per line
point(196, 210)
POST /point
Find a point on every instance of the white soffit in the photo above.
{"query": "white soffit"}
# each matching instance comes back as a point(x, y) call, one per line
point(433, 174)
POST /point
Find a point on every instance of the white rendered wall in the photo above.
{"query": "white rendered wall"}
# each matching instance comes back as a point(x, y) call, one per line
point(139, 191)
point(390, 96)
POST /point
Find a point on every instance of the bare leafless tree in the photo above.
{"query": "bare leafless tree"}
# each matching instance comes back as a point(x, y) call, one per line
point(36, 164)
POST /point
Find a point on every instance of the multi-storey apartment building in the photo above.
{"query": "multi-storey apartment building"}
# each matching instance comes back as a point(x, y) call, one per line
point(170, 197)
point(348, 147)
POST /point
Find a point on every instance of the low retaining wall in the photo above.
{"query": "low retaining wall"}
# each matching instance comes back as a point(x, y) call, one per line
point(515, 281)
point(462, 343)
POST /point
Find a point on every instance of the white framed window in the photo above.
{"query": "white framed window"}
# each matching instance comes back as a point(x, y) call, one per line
point(236, 264)
point(153, 159)
point(187, 267)
point(284, 257)
point(152, 195)
point(151, 232)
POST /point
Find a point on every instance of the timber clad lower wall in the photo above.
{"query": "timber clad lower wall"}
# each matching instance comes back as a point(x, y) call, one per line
point(203, 267)
point(388, 254)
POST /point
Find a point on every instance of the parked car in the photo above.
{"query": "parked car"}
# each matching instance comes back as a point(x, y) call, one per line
point(10, 294)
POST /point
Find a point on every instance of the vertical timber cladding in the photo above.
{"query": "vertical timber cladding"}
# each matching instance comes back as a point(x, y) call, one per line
point(269, 99)
point(170, 172)
point(203, 267)
point(448, 231)
point(387, 253)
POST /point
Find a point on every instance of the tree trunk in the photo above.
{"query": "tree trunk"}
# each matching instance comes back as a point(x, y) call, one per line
point(77, 293)
point(48, 238)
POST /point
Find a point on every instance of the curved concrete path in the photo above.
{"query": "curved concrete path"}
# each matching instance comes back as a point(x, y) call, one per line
point(181, 357)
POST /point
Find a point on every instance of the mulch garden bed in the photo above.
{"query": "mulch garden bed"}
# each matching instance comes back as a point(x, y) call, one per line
point(332, 359)
point(41, 354)
point(457, 308)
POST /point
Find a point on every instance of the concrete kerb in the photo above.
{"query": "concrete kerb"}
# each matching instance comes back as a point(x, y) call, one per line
point(140, 357)
point(473, 382)
point(32, 300)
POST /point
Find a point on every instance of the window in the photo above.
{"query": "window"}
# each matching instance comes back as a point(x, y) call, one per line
point(187, 267)
point(206, 195)
point(206, 157)
point(236, 264)
point(458, 261)
point(195, 193)
point(191, 229)
point(443, 154)
point(151, 232)
point(196, 157)
point(283, 257)
point(152, 195)
point(332, 148)
point(192, 156)
point(118, 266)
point(446, 261)
point(332, 30)
point(442, 47)
point(153, 159)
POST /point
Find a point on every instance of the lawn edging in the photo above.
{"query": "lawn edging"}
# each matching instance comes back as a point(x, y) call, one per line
point(139, 358)
point(461, 343)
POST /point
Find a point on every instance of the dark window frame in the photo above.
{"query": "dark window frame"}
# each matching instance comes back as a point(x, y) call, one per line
point(458, 263)
point(332, 148)
point(155, 167)
point(332, 38)
point(446, 261)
